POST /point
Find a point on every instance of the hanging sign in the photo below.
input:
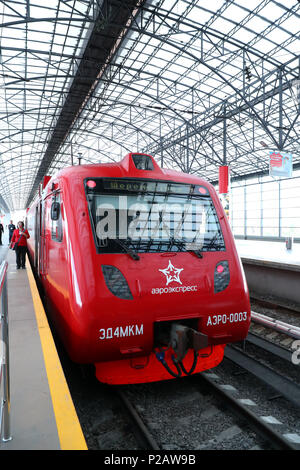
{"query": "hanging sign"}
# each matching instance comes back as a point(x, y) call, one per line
point(224, 188)
point(280, 164)
point(223, 179)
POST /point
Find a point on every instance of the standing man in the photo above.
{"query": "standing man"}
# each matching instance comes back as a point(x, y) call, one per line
point(1, 231)
point(11, 228)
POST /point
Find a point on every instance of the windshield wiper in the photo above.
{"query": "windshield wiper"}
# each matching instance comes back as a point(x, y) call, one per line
point(125, 247)
point(181, 245)
point(198, 253)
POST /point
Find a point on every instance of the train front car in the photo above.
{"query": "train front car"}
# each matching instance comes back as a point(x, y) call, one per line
point(168, 290)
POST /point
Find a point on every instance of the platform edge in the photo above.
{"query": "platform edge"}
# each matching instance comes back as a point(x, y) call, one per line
point(68, 427)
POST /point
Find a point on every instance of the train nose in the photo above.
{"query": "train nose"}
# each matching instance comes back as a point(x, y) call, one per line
point(171, 276)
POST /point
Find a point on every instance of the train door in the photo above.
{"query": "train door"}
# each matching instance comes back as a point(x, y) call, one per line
point(43, 239)
point(36, 236)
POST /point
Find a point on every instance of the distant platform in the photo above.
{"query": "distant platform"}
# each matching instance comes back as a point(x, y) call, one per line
point(273, 254)
point(272, 271)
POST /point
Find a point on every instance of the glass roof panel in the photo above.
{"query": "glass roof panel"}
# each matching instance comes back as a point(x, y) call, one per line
point(192, 81)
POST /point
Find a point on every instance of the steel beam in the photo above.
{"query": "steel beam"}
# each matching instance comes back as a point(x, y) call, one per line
point(108, 32)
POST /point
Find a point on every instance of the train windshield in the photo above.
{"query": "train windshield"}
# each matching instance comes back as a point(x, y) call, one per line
point(137, 216)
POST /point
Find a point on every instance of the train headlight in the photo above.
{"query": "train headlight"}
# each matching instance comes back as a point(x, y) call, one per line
point(116, 282)
point(222, 276)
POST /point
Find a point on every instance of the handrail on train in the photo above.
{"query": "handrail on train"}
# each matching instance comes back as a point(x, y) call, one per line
point(5, 433)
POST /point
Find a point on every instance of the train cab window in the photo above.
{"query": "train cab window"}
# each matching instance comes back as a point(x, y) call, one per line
point(56, 219)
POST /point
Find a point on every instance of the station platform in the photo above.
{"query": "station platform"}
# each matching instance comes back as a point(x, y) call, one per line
point(42, 414)
point(272, 253)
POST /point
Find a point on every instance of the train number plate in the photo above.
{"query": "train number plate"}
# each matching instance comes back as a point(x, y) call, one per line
point(227, 318)
point(121, 331)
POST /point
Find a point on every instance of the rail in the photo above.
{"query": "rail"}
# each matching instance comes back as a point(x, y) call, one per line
point(5, 434)
point(289, 330)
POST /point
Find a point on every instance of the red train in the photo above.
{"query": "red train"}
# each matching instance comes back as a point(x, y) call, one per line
point(140, 270)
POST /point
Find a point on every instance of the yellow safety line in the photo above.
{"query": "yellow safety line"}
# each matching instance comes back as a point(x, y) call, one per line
point(68, 426)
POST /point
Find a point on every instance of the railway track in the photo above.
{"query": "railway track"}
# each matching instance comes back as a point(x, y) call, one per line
point(263, 425)
point(279, 339)
point(188, 418)
point(145, 439)
point(269, 428)
point(205, 412)
point(291, 331)
point(282, 320)
point(266, 428)
point(230, 407)
point(280, 383)
point(226, 408)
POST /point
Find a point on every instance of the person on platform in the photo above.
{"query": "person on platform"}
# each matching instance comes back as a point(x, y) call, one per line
point(19, 242)
point(11, 229)
point(1, 232)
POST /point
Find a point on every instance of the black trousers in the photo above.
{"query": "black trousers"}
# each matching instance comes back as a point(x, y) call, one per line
point(21, 256)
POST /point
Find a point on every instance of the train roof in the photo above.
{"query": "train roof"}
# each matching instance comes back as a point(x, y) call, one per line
point(128, 167)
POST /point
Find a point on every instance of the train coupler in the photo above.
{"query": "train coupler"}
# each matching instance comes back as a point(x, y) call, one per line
point(183, 338)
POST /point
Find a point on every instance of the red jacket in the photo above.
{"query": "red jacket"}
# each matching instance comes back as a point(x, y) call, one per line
point(16, 236)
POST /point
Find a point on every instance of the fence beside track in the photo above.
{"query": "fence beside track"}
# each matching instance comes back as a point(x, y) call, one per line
point(5, 433)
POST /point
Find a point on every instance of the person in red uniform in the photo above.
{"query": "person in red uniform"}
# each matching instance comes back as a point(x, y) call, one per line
point(19, 237)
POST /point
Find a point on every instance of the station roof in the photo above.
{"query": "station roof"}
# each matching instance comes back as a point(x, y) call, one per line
point(195, 83)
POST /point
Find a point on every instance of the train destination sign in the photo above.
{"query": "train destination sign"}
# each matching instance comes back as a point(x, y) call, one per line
point(121, 185)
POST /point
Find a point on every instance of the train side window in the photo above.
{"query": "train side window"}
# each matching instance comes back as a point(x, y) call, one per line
point(56, 219)
point(55, 210)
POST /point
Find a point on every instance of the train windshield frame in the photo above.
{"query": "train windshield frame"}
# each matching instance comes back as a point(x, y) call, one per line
point(142, 216)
